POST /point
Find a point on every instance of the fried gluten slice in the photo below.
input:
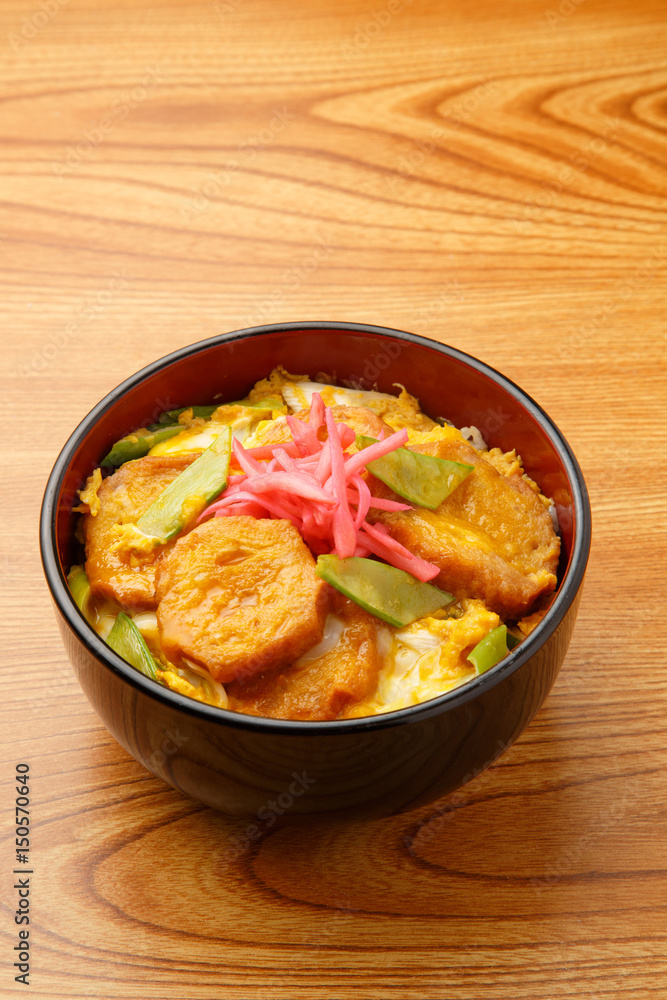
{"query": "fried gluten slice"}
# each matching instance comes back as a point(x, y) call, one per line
point(238, 596)
point(336, 674)
point(492, 538)
point(122, 498)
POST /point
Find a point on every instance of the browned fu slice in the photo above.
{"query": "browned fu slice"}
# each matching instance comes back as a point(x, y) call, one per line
point(115, 572)
point(492, 538)
point(340, 671)
point(239, 595)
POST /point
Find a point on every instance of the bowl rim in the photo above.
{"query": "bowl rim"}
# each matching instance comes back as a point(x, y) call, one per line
point(73, 617)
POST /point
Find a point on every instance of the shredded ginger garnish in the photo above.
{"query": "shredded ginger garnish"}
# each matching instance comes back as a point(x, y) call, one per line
point(317, 485)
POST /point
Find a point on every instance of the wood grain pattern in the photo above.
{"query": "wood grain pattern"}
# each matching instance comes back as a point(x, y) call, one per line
point(491, 175)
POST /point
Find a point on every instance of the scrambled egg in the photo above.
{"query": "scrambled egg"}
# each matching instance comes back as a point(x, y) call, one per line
point(198, 434)
point(397, 411)
point(90, 501)
point(428, 658)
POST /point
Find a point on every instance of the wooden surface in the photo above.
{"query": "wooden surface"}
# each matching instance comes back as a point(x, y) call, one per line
point(489, 174)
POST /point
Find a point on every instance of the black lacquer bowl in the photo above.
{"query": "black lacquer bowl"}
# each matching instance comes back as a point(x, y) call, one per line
point(355, 768)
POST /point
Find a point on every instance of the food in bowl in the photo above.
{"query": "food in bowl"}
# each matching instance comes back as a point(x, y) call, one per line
point(364, 767)
point(313, 552)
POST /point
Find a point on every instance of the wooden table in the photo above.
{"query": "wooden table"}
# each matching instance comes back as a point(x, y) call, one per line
point(490, 175)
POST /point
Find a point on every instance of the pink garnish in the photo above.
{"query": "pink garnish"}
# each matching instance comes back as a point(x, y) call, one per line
point(316, 418)
point(316, 485)
point(345, 538)
point(266, 451)
point(305, 435)
point(363, 501)
point(393, 552)
point(292, 483)
point(245, 462)
point(377, 450)
point(383, 504)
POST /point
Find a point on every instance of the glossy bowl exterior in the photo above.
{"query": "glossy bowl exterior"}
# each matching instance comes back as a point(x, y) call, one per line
point(353, 768)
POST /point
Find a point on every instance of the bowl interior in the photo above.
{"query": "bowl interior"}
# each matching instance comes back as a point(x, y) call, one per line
point(447, 383)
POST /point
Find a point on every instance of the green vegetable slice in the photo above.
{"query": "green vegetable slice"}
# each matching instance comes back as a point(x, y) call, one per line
point(126, 640)
point(186, 496)
point(79, 587)
point(421, 479)
point(138, 444)
point(490, 650)
point(388, 593)
point(204, 412)
point(512, 640)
